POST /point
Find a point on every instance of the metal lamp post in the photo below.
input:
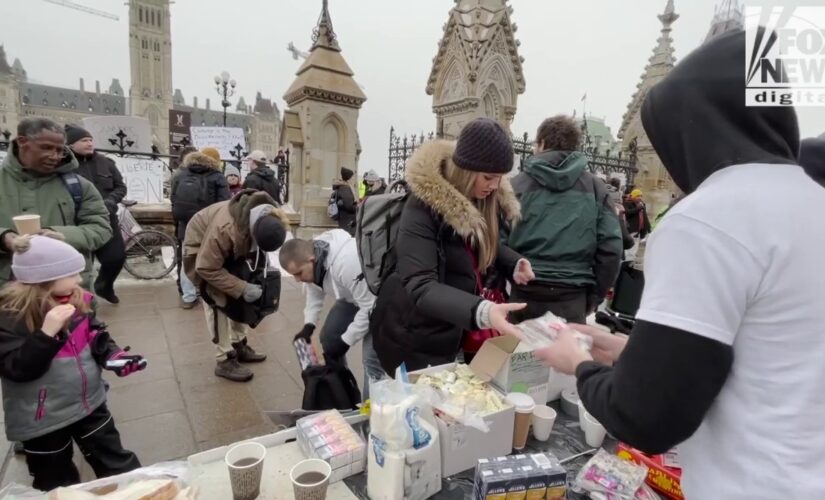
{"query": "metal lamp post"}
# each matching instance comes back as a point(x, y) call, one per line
point(226, 89)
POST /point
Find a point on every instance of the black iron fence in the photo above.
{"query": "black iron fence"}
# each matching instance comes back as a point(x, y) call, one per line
point(122, 147)
point(605, 163)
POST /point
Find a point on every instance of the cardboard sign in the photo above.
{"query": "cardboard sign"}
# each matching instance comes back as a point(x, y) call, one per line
point(143, 178)
point(136, 129)
point(224, 139)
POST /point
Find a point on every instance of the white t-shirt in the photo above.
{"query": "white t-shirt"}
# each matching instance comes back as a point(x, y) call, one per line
point(742, 261)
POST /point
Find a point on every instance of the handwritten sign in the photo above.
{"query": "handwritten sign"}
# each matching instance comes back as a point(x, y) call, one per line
point(143, 178)
point(136, 129)
point(224, 139)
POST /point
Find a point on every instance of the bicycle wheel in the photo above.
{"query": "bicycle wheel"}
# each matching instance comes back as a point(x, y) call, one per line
point(150, 254)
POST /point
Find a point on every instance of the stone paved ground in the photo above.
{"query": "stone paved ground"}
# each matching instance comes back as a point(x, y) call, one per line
point(177, 406)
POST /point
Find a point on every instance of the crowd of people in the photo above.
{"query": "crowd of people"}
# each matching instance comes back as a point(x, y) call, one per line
point(723, 358)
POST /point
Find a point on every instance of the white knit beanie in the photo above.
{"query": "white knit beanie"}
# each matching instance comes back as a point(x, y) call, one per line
point(43, 259)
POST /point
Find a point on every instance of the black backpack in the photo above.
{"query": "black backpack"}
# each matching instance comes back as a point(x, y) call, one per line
point(330, 387)
point(191, 196)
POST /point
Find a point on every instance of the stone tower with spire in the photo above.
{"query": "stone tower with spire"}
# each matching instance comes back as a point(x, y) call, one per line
point(477, 70)
point(728, 16)
point(320, 128)
point(10, 104)
point(652, 175)
point(150, 58)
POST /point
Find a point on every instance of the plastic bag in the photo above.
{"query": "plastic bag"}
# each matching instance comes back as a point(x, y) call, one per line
point(610, 477)
point(397, 409)
point(542, 331)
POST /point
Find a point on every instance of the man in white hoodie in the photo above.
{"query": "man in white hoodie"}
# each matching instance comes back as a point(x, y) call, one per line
point(329, 265)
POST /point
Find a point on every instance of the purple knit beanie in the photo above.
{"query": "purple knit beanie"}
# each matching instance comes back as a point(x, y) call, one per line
point(43, 259)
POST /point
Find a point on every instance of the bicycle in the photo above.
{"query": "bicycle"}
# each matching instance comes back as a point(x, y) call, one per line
point(150, 254)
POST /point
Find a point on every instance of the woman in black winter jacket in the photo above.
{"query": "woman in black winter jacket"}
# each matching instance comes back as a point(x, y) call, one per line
point(450, 223)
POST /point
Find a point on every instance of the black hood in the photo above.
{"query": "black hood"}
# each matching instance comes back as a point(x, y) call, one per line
point(812, 158)
point(264, 172)
point(697, 121)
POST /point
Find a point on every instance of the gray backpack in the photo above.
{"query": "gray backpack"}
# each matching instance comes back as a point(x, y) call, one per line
point(375, 234)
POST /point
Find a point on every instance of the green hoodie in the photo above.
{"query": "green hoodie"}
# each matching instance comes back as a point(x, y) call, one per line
point(568, 230)
point(24, 192)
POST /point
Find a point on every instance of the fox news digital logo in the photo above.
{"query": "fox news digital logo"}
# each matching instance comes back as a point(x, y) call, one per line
point(785, 56)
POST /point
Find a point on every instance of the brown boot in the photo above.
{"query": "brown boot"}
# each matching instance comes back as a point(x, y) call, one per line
point(246, 354)
point(230, 369)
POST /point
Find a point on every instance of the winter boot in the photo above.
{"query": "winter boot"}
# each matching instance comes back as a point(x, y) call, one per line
point(230, 369)
point(246, 354)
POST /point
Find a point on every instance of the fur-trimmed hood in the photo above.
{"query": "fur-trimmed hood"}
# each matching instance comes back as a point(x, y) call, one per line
point(200, 159)
point(425, 177)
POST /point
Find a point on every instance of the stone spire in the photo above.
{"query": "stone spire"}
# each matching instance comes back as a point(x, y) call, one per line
point(17, 69)
point(658, 66)
point(323, 34)
point(325, 75)
point(5, 69)
point(728, 16)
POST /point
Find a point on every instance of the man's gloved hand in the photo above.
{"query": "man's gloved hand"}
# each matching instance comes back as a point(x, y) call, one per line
point(305, 333)
point(110, 205)
point(124, 364)
point(252, 292)
point(335, 348)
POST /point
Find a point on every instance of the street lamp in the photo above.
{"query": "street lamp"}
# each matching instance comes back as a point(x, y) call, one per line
point(226, 89)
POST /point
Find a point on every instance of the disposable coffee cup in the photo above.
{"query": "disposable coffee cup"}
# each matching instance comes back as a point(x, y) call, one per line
point(246, 465)
point(524, 406)
point(543, 419)
point(310, 479)
point(27, 224)
point(594, 432)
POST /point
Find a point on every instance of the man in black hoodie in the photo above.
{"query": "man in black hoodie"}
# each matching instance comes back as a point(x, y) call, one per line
point(346, 199)
point(812, 158)
point(103, 173)
point(261, 177)
point(726, 354)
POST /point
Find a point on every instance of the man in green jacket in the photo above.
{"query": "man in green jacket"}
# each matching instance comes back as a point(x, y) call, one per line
point(569, 230)
point(34, 179)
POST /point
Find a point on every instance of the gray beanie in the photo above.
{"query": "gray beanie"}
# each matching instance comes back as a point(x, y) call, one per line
point(231, 170)
point(42, 259)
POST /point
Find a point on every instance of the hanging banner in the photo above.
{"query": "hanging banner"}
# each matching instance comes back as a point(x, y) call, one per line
point(104, 129)
point(143, 178)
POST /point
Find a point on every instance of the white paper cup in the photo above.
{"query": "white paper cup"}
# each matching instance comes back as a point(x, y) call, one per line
point(246, 464)
point(594, 432)
point(582, 411)
point(27, 224)
point(543, 419)
point(315, 490)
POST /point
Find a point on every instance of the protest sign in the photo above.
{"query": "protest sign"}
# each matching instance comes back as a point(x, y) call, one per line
point(143, 178)
point(136, 129)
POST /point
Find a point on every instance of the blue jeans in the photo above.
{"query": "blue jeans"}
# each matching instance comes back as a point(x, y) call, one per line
point(337, 322)
point(188, 291)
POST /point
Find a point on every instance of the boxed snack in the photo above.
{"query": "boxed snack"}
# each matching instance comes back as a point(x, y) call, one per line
point(328, 436)
point(664, 472)
point(473, 419)
point(513, 367)
point(531, 477)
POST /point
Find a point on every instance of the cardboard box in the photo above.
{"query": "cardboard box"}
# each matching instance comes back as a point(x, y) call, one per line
point(660, 477)
point(511, 366)
point(462, 446)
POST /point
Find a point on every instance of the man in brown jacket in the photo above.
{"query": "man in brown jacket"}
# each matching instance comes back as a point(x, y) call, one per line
point(224, 232)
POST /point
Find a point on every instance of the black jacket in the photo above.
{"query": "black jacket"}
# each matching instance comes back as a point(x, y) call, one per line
point(635, 213)
point(667, 379)
point(103, 173)
point(812, 158)
point(425, 306)
point(263, 179)
point(347, 206)
point(201, 165)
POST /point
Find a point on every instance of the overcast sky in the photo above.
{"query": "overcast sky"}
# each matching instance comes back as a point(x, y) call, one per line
point(571, 47)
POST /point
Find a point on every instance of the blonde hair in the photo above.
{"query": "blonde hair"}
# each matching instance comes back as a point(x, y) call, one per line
point(486, 243)
point(30, 303)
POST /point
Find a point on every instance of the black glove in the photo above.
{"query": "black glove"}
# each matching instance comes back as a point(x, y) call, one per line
point(335, 348)
point(305, 333)
point(111, 205)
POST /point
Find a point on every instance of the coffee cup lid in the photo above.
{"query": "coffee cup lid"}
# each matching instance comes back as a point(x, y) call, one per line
point(522, 402)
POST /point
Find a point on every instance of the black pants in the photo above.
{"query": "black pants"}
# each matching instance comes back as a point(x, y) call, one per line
point(111, 256)
point(569, 303)
point(49, 457)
